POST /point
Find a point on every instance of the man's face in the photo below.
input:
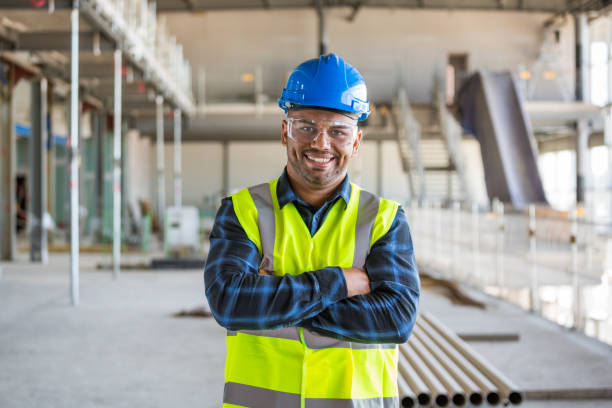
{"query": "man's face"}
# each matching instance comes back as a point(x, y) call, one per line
point(322, 162)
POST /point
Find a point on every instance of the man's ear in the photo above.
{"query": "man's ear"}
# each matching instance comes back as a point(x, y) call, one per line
point(357, 143)
point(284, 133)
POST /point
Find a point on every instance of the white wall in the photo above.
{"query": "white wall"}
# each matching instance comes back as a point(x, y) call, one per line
point(201, 172)
point(378, 42)
point(139, 169)
point(252, 163)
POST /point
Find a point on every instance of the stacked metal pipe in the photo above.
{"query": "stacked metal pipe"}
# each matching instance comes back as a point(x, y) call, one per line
point(437, 368)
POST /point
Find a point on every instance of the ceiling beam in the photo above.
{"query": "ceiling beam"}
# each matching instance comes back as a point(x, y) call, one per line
point(27, 5)
point(60, 41)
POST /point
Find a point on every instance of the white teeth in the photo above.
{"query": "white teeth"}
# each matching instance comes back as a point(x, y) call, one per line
point(319, 160)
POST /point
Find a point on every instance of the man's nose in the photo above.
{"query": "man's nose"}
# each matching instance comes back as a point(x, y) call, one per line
point(322, 141)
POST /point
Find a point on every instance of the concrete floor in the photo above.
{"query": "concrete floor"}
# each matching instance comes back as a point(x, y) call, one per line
point(123, 348)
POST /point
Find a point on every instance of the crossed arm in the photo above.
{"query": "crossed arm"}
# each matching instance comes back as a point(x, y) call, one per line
point(379, 307)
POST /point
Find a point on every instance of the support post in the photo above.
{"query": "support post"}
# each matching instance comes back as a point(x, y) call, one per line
point(322, 25)
point(74, 155)
point(7, 167)
point(581, 29)
point(576, 298)
point(117, 166)
point(178, 171)
point(38, 171)
point(50, 153)
point(99, 134)
point(225, 170)
point(161, 188)
point(582, 154)
point(534, 304)
point(474, 276)
point(379, 168)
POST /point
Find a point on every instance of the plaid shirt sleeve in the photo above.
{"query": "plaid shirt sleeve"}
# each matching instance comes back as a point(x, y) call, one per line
point(387, 314)
point(241, 299)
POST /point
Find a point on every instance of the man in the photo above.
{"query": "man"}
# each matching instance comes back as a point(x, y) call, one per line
point(314, 278)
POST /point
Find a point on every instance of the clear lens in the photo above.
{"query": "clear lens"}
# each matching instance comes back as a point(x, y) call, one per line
point(307, 131)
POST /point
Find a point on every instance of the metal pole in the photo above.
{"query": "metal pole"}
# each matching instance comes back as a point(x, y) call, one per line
point(456, 227)
point(161, 189)
point(438, 207)
point(74, 156)
point(505, 386)
point(486, 386)
point(534, 305)
point(582, 154)
point(38, 172)
point(576, 324)
point(100, 135)
point(225, 170)
point(7, 169)
point(581, 30)
point(499, 247)
point(117, 166)
point(476, 246)
point(178, 176)
point(322, 25)
point(379, 168)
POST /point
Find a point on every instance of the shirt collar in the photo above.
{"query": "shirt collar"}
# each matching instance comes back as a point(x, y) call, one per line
point(286, 195)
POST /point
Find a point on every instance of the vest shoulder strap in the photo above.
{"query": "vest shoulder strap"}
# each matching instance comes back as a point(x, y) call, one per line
point(387, 209)
point(246, 212)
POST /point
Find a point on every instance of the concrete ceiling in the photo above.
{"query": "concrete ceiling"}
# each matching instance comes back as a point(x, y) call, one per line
point(522, 5)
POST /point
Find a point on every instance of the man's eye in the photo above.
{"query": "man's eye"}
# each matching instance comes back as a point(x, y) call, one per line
point(307, 129)
point(338, 132)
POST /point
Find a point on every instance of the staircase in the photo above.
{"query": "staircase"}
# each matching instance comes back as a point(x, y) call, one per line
point(424, 154)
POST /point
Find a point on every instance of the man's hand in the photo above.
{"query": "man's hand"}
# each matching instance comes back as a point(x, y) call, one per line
point(357, 281)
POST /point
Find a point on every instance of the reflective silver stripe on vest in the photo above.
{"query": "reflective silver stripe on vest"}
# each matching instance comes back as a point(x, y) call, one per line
point(288, 333)
point(384, 402)
point(265, 219)
point(317, 341)
point(366, 215)
point(255, 397)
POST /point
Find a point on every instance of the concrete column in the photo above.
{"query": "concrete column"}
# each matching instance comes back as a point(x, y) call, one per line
point(7, 167)
point(322, 25)
point(38, 171)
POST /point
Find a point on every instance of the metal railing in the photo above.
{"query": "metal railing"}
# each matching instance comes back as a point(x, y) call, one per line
point(552, 263)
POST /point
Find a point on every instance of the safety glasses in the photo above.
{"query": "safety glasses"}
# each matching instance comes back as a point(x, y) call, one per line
point(303, 130)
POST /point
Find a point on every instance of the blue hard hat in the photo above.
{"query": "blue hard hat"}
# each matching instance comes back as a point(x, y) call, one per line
point(326, 82)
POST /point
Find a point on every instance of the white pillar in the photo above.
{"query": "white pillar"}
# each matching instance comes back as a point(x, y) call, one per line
point(161, 188)
point(117, 166)
point(74, 157)
point(178, 177)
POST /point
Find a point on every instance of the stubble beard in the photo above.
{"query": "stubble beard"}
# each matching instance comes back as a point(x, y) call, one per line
point(311, 176)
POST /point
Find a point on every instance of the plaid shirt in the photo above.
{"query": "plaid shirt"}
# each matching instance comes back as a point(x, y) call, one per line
point(240, 298)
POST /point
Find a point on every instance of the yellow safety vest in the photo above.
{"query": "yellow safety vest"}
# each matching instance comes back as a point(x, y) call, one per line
point(292, 366)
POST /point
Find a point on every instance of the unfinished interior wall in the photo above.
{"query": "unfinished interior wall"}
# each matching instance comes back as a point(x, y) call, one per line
point(380, 43)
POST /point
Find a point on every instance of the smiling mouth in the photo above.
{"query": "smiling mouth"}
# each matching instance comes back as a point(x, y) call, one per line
point(321, 161)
